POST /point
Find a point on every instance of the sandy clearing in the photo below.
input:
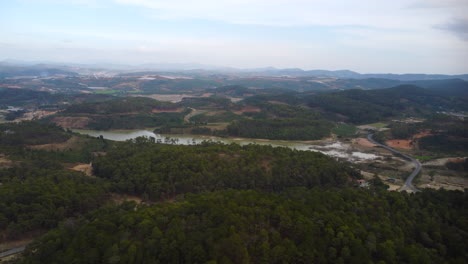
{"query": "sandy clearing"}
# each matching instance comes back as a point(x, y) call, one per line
point(121, 198)
point(36, 115)
point(391, 186)
point(364, 142)
point(5, 163)
point(85, 168)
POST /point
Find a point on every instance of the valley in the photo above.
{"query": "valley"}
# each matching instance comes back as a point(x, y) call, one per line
point(133, 150)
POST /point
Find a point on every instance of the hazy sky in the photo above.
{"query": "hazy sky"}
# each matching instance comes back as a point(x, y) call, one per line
point(418, 36)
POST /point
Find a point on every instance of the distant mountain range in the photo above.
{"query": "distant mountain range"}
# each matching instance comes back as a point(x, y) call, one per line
point(347, 74)
point(15, 68)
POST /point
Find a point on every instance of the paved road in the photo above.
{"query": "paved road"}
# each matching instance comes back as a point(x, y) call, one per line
point(408, 183)
point(12, 251)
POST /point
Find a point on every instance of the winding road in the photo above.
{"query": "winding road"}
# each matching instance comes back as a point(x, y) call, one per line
point(408, 186)
point(194, 112)
point(12, 252)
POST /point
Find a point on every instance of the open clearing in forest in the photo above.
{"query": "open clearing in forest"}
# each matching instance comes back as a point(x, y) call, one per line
point(83, 167)
point(121, 198)
point(364, 142)
point(378, 125)
point(248, 109)
point(5, 163)
point(69, 144)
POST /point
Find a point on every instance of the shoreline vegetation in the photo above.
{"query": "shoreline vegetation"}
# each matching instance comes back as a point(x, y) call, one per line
point(195, 200)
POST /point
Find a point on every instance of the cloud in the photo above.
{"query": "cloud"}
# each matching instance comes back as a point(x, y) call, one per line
point(439, 4)
point(459, 27)
point(374, 13)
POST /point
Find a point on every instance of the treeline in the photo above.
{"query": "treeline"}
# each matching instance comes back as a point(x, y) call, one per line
point(212, 103)
point(444, 134)
point(273, 121)
point(31, 133)
point(215, 203)
point(17, 140)
point(20, 97)
point(121, 105)
point(159, 171)
point(368, 106)
point(296, 226)
point(135, 121)
point(35, 198)
point(125, 113)
point(36, 191)
point(286, 128)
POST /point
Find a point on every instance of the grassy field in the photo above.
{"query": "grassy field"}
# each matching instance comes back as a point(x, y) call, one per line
point(344, 130)
point(378, 125)
point(115, 92)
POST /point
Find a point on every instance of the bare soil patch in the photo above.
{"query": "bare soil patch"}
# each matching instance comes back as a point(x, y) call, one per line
point(71, 121)
point(121, 198)
point(364, 142)
point(36, 115)
point(83, 167)
point(408, 144)
point(423, 134)
point(391, 186)
point(439, 181)
point(5, 163)
point(248, 109)
point(400, 143)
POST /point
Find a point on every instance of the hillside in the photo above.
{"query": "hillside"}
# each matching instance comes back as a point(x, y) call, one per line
point(120, 113)
point(360, 106)
point(7, 70)
point(211, 202)
point(297, 226)
point(24, 97)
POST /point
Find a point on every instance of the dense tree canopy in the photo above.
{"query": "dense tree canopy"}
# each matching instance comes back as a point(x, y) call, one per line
point(34, 198)
point(296, 226)
point(162, 171)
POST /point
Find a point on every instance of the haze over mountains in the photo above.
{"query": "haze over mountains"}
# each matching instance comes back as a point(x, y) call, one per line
point(10, 68)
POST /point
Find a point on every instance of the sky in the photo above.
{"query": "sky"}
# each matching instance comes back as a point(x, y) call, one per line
point(368, 36)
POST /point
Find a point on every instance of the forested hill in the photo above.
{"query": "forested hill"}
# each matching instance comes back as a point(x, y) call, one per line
point(121, 105)
point(366, 106)
point(31, 133)
point(120, 113)
point(211, 203)
point(21, 97)
point(159, 171)
point(296, 226)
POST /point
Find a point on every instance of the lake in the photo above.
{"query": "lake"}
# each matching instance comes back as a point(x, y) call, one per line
point(335, 148)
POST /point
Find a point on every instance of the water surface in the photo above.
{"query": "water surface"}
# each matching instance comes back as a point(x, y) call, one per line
point(334, 148)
